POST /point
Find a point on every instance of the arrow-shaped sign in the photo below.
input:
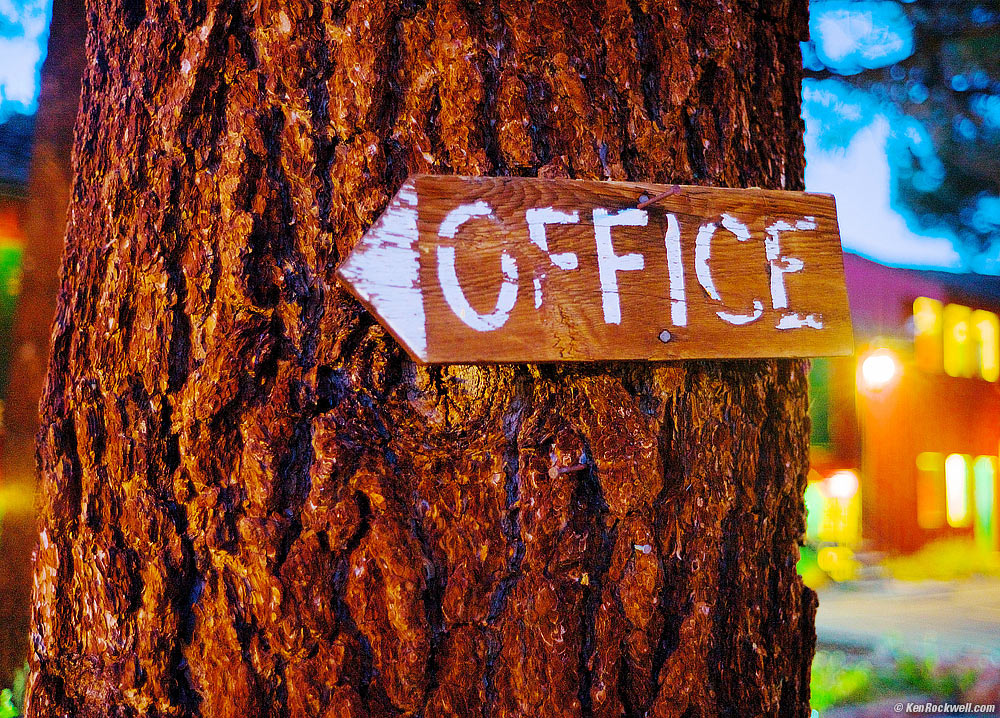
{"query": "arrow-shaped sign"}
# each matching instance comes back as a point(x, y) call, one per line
point(504, 269)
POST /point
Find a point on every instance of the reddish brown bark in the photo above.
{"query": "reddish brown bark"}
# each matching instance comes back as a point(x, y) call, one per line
point(256, 505)
point(45, 227)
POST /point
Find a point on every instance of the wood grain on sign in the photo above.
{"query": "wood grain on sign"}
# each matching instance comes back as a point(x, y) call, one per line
point(502, 269)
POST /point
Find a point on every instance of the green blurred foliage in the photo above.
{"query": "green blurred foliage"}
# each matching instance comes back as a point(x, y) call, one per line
point(808, 567)
point(837, 680)
point(842, 679)
point(7, 707)
point(927, 676)
point(12, 699)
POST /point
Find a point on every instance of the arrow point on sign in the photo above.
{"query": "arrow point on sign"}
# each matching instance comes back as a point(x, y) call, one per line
point(383, 271)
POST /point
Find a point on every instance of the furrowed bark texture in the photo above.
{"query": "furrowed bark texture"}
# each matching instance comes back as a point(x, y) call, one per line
point(255, 505)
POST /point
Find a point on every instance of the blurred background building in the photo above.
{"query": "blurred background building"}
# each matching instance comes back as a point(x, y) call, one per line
point(905, 435)
point(902, 109)
point(901, 104)
point(15, 156)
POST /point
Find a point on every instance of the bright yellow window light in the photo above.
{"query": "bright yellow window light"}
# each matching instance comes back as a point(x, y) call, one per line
point(986, 331)
point(956, 480)
point(958, 355)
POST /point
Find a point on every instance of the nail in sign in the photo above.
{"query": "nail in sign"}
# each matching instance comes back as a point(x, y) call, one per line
point(491, 269)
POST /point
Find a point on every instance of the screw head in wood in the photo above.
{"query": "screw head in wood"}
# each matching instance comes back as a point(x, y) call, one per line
point(665, 336)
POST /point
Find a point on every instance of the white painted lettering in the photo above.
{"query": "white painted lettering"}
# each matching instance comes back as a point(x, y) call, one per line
point(780, 266)
point(448, 276)
point(537, 218)
point(675, 267)
point(609, 263)
point(462, 214)
point(702, 255)
point(741, 319)
point(791, 320)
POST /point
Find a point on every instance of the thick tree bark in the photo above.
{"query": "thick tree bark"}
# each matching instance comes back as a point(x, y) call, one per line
point(256, 505)
point(45, 227)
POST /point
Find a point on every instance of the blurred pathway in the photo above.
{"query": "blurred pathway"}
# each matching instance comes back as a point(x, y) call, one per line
point(936, 618)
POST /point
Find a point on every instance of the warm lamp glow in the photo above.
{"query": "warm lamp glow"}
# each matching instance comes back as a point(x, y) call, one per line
point(842, 485)
point(879, 369)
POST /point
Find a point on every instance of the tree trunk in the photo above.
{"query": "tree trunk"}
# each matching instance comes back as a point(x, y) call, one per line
point(256, 505)
point(45, 226)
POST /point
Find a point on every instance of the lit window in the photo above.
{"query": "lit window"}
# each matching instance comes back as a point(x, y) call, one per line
point(984, 472)
point(927, 333)
point(930, 490)
point(959, 359)
point(956, 480)
point(986, 330)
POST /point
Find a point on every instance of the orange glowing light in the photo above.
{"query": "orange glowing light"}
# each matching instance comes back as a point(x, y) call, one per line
point(879, 369)
point(927, 342)
point(930, 490)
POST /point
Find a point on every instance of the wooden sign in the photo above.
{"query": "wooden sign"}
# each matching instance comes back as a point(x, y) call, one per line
point(504, 269)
